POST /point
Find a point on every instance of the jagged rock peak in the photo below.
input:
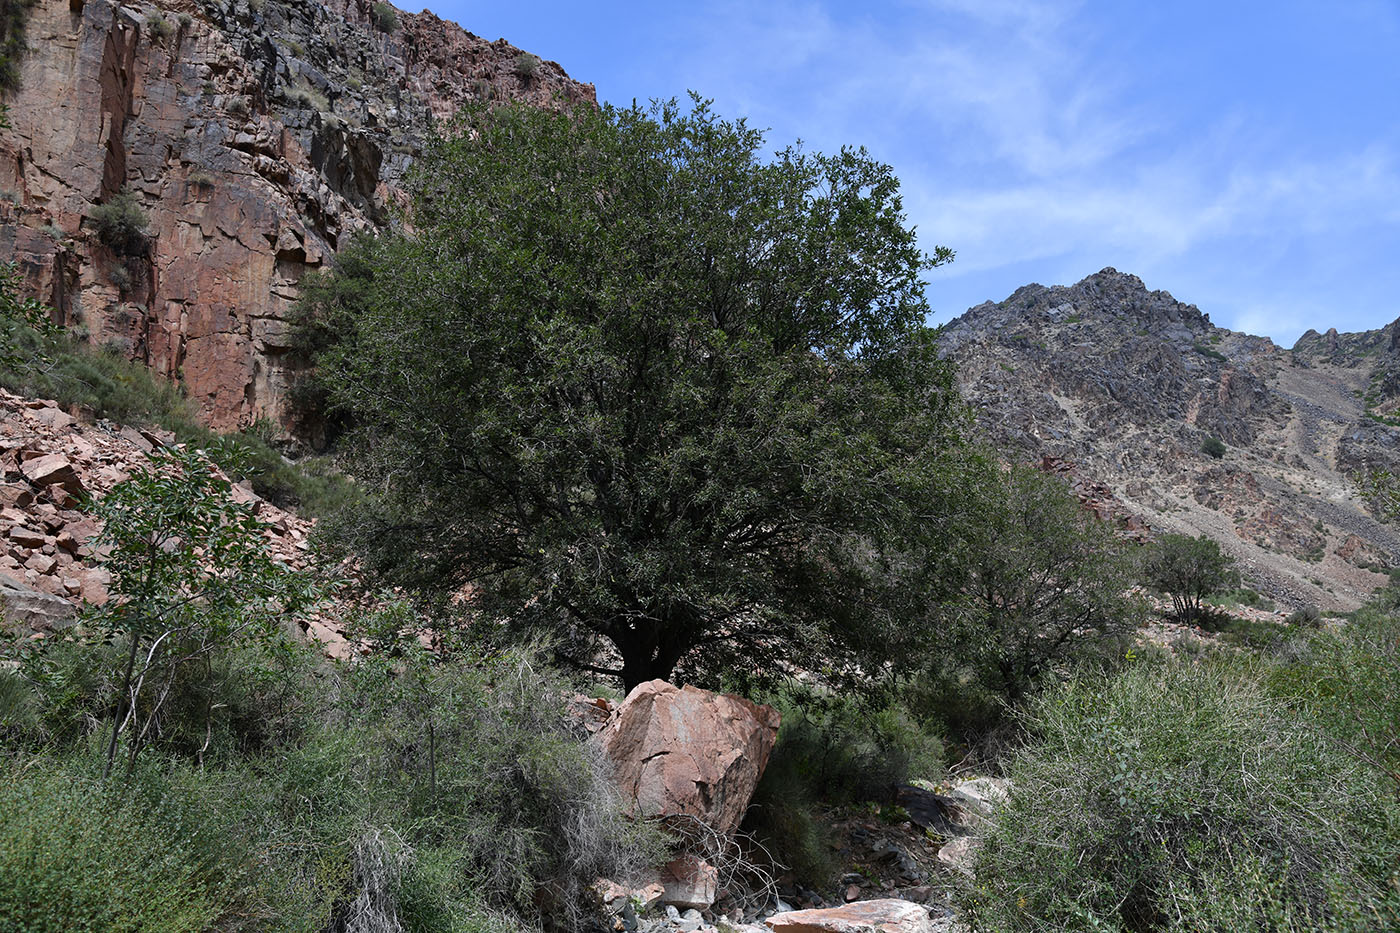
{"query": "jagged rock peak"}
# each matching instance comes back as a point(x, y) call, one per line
point(1107, 295)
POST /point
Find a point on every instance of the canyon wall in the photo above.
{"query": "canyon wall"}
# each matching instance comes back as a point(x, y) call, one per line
point(257, 135)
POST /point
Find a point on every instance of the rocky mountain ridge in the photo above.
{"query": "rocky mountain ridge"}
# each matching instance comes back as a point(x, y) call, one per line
point(1127, 384)
point(256, 135)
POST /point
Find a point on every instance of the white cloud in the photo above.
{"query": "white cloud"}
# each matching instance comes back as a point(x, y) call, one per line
point(1016, 142)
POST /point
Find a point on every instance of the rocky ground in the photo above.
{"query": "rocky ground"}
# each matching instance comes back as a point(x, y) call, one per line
point(1117, 388)
point(50, 566)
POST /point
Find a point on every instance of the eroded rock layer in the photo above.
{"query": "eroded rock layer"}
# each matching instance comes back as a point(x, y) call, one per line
point(257, 135)
point(1119, 388)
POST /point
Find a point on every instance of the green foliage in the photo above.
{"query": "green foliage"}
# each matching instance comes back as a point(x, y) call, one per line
point(78, 857)
point(190, 573)
point(1382, 491)
point(646, 390)
point(1188, 570)
point(526, 64)
point(159, 26)
point(1042, 580)
point(1209, 353)
point(1213, 446)
point(1186, 796)
point(14, 16)
point(19, 318)
point(309, 97)
point(832, 750)
point(386, 18)
point(121, 224)
point(441, 791)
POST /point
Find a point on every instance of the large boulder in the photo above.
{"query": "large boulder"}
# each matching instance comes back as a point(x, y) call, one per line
point(686, 752)
point(888, 915)
point(29, 609)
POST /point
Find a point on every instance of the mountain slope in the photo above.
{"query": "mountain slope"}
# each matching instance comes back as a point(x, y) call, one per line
point(1127, 384)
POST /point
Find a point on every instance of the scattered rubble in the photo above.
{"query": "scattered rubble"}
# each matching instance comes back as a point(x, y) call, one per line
point(49, 566)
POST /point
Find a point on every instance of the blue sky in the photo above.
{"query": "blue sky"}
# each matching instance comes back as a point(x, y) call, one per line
point(1244, 156)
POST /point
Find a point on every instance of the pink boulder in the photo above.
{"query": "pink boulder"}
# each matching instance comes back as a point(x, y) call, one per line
point(889, 915)
point(686, 752)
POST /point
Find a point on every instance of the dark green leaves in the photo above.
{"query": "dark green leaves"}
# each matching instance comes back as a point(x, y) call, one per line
point(636, 385)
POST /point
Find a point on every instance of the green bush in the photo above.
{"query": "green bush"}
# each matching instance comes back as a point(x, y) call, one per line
point(1213, 446)
point(121, 224)
point(386, 18)
point(1182, 796)
point(526, 64)
point(446, 792)
point(159, 26)
point(76, 856)
point(1188, 570)
point(832, 750)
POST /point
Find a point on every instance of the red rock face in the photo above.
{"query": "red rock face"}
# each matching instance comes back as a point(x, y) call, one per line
point(257, 137)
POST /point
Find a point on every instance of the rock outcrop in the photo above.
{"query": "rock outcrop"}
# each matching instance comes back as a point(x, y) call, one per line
point(1117, 388)
point(256, 135)
point(689, 753)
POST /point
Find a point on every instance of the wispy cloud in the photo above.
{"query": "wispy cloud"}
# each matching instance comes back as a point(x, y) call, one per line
point(1023, 135)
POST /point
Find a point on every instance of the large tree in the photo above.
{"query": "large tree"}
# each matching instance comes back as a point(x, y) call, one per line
point(620, 376)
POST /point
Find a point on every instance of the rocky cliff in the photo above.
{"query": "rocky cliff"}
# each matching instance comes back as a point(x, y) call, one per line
point(1127, 384)
point(257, 135)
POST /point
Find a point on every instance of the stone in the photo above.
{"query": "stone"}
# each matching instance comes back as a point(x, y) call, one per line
point(27, 537)
point(886, 915)
point(690, 882)
point(852, 892)
point(41, 563)
point(24, 607)
point(960, 854)
point(982, 795)
point(52, 470)
point(688, 753)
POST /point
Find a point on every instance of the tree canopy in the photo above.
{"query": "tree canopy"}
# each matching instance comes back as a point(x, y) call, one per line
point(620, 377)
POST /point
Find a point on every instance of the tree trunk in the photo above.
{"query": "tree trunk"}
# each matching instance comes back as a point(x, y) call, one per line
point(121, 701)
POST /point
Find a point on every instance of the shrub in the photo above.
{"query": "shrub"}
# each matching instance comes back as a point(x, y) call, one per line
point(120, 276)
point(1308, 615)
point(67, 847)
point(832, 750)
point(1169, 798)
point(121, 224)
point(1041, 579)
point(1188, 570)
point(309, 98)
point(386, 18)
point(159, 26)
point(526, 64)
point(1213, 446)
point(1209, 353)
